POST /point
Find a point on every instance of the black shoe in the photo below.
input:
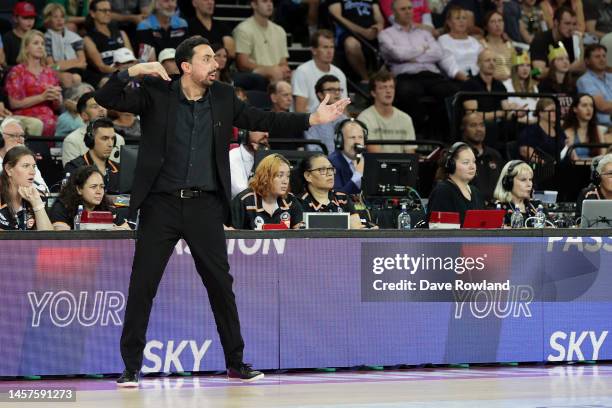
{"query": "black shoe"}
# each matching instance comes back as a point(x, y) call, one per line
point(128, 379)
point(244, 373)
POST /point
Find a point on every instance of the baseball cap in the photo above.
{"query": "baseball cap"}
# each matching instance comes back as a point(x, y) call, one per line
point(166, 54)
point(24, 9)
point(123, 55)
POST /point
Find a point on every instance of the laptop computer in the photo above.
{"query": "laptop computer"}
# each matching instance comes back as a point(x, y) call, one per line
point(327, 220)
point(485, 219)
point(596, 214)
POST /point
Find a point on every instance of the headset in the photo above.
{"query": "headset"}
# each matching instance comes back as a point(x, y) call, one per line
point(449, 163)
point(595, 176)
point(508, 180)
point(339, 137)
point(90, 138)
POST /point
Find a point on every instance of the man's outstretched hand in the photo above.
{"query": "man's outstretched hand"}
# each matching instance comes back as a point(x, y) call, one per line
point(327, 113)
point(148, 69)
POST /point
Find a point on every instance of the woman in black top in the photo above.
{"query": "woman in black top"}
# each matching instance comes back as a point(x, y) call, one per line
point(514, 189)
point(267, 200)
point(318, 177)
point(85, 187)
point(454, 193)
point(21, 206)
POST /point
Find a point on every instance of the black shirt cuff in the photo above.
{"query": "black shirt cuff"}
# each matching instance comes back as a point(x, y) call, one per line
point(124, 76)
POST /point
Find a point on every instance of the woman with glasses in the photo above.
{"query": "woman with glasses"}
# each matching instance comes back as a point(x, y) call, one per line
point(21, 205)
point(601, 182)
point(317, 175)
point(267, 200)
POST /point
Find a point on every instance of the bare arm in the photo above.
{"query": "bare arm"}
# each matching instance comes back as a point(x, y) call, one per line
point(94, 56)
point(61, 226)
point(301, 104)
point(336, 11)
point(230, 45)
point(602, 105)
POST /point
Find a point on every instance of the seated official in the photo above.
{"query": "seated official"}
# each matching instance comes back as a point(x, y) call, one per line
point(350, 133)
point(267, 200)
point(318, 176)
point(21, 205)
point(85, 187)
point(601, 183)
point(514, 188)
point(242, 160)
point(454, 192)
point(100, 139)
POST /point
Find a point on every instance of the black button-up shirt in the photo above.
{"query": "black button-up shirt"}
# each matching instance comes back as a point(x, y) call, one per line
point(190, 159)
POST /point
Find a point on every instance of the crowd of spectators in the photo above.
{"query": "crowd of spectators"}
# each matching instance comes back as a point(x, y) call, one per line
point(407, 58)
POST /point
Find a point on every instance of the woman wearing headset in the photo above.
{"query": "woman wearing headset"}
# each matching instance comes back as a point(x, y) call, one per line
point(85, 187)
point(267, 200)
point(454, 193)
point(514, 188)
point(318, 179)
point(21, 206)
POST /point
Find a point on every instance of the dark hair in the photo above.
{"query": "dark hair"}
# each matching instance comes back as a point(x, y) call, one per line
point(93, 6)
point(381, 76)
point(571, 120)
point(488, 16)
point(442, 171)
point(82, 102)
point(101, 123)
point(323, 80)
point(184, 52)
point(567, 86)
point(10, 160)
point(314, 38)
point(562, 10)
point(591, 48)
point(306, 165)
point(69, 195)
point(224, 74)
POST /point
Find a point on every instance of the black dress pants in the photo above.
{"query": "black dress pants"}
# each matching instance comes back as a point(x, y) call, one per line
point(164, 219)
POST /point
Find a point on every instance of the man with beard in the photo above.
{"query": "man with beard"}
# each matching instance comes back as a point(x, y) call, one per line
point(488, 160)
point(182, 186)
point(162, 29)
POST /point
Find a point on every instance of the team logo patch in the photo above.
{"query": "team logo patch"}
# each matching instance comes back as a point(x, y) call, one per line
point(259, 222)
point(492, 165)
point(286, 219)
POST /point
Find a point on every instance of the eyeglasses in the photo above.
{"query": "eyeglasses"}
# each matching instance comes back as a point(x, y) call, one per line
point(325, 171)
point(333, 90)
point(20, 136)
point(104, 10)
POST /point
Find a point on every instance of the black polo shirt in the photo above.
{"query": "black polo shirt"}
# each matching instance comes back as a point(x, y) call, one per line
point(338, 203)
point(248, 212)
point(150, 32)
point(485, 103)
point(111, 178)
point(59, 213)
point(191, 159)
point(488, 168)
point(218, 30)
point(23, 220)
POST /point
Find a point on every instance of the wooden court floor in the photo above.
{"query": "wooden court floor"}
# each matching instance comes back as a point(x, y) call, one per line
point(529, 386)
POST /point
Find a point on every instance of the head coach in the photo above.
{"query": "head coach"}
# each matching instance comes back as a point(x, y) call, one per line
point(182, 185)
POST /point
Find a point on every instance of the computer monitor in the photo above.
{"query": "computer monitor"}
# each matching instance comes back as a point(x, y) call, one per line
point(389, 174)
point(596, 214)
point(128, 155)
point(294, 157)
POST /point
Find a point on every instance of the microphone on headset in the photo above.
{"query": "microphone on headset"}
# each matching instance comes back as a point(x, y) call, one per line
point(359, 149)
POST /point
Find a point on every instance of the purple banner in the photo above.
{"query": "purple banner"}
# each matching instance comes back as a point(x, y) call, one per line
point(313, 303)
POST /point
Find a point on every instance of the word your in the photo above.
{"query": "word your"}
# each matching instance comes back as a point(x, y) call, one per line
point(513, 302)
point(65, 308)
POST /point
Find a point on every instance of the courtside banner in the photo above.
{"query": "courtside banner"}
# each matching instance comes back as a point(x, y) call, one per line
point(317, 302)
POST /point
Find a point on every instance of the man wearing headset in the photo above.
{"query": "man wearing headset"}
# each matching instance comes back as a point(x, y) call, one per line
point(347, 158)
point(12, 134)
point(242, 159)
point(601, 182)
point(100, 140)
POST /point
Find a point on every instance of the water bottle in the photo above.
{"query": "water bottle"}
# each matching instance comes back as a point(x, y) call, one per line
point(403, 219)
point(65, 180)
point(540, 218)
point(516, 221)
point(77, 218)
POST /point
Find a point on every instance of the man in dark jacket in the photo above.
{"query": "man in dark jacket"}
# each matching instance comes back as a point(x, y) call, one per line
point(182, 186)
